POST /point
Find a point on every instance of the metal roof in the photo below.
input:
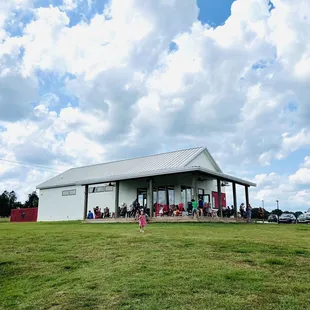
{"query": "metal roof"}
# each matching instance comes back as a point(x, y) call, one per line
point(160, 164)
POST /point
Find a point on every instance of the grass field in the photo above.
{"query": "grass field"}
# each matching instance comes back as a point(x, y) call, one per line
point(171, 266)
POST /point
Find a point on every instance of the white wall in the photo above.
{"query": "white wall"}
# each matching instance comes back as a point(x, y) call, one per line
point(202, 160)
point(128, 190)
point(101, 199)
point(55, 207)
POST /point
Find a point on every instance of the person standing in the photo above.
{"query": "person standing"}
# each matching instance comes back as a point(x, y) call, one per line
point(242, 210)
point(142, 221)
point(195, 207)
point(248, 213)
point(200, 203)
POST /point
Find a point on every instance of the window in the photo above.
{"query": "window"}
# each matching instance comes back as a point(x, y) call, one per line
point(100, 189)
point(65, 193)
point(109, 188)
point(201, 191)
point(71, 192)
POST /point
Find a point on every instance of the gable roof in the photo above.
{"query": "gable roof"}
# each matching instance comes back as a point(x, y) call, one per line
point(175, 159)
point(159, 164)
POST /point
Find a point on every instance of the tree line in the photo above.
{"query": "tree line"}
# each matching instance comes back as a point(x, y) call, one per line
point(257, 215)
point(9, 201)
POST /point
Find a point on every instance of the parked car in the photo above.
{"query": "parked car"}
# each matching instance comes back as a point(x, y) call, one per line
point(273, 218)
point(303, 218)
point(287, 218)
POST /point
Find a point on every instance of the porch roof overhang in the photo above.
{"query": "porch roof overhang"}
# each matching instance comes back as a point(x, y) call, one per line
point(161, 172)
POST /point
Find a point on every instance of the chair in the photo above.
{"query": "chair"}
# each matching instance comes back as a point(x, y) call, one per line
point(181, 209)
point(166, 209)
point(157, 208)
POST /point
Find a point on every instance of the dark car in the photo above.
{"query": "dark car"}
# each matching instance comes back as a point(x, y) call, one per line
point(272, 218)
point(303, 218)
point(287, 218)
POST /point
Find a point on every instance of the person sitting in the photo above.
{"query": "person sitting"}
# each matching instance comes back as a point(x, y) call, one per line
point(228, 211)
point(209, 209)
point(90, 215)
point(97, 212)
point(129, 211)
point(232, 212)
point(176, 211)
point(204, 210)
point(106, 212)
point(161, 211)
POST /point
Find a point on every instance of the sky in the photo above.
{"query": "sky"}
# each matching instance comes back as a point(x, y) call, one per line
point(86, 81)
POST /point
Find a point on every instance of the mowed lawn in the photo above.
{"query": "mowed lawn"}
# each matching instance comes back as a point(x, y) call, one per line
point(170, 266)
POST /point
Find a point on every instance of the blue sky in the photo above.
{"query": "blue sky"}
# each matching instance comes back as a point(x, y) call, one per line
point(213, 12)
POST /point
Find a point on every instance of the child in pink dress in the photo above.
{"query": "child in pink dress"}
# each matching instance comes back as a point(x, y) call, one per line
point(142, 221)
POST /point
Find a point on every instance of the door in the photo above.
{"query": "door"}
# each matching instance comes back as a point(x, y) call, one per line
point(142, 196)
point(215, 200)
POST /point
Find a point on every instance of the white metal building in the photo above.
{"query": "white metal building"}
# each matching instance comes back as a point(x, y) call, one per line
point(168, 178)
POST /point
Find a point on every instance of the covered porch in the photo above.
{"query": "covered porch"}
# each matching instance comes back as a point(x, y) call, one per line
point(170, 191)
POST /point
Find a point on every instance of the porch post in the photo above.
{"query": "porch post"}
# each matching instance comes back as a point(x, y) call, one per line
point(151, 197)
point(177, 194)
point(246, 195)
point(186, 200)
point(195, 190)
point(167, 196)
point(219, 197)
point(85, 201)
point(235, 200)
point(116, 199)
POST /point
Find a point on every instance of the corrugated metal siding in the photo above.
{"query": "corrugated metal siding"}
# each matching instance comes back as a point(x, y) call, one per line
point(176, 159)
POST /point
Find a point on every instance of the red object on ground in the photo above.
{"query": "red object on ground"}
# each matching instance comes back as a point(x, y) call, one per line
point(215, 197)
point(24, 215)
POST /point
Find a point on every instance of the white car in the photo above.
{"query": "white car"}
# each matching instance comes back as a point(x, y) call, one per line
point(304, 218)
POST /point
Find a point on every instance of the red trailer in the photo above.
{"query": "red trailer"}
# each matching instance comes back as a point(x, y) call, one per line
point(24, 215)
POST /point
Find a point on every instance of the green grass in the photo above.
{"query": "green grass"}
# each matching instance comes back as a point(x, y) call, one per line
point(171, 266)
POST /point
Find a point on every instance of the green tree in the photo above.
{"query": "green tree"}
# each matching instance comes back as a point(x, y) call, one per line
point(8, 201)
point(278, 212)
point(5, 204)
point(32, 201)
point(256, 214)
point(298, 213)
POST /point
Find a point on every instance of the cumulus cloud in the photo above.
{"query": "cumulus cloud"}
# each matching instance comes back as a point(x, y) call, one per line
point(241, 88)
point(302, 175)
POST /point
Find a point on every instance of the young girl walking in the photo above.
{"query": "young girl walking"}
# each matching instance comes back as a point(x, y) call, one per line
point(142, 221)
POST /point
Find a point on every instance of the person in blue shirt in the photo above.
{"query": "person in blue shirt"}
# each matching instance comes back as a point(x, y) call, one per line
point(90, 215)
point(200, 204)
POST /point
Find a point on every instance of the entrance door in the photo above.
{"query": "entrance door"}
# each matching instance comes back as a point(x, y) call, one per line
point(215, 200)
point(142, 196)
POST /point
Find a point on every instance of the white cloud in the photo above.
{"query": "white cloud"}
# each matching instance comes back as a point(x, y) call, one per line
point(70, 4)
point(302, 175)
point(228, 87)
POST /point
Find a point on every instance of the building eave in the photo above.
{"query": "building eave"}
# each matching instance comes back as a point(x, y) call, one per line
point(148, 174)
